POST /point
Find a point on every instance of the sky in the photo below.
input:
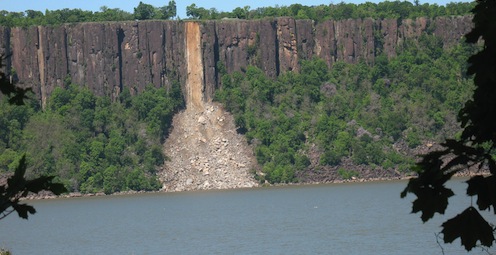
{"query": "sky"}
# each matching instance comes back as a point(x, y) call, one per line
point(128, 5)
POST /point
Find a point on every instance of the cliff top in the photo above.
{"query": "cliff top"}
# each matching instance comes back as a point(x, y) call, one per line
point(342, 11)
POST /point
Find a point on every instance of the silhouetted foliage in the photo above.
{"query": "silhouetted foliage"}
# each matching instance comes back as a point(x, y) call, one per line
point(16, 95)
point(474, 148)
point(16, 186)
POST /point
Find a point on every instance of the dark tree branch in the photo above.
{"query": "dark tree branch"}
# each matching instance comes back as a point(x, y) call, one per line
point(474, 148)
point(16, 186)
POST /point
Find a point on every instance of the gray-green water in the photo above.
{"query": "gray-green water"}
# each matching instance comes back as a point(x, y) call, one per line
point(365, 218)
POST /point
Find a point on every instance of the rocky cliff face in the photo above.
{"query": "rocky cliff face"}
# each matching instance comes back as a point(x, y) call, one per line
point(108, 57)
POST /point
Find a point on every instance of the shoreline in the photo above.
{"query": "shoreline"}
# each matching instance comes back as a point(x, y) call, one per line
point(46, 196)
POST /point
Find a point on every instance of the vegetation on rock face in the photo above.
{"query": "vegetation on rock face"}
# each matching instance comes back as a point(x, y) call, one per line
point(382, 10)
point(358, 112)
point(90, 143)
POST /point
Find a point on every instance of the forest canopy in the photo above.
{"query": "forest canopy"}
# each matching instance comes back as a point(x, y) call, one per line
point(342, 10)
point(88, 142)
point(371, 115)
point(382, 10)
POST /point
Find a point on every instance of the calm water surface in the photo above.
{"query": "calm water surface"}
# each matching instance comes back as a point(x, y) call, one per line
point(364, 218)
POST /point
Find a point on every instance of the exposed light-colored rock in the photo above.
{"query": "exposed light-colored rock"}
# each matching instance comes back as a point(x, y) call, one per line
point(201, 142)
point(200, 158)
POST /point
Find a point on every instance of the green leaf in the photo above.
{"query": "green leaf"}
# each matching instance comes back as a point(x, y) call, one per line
point(18, 187)
point(45, 183)
point(19, 96)
point(492, 164)
point(459, 160)
point(429, 185)
point(17, 180)
point(431, 200)
point(23, 210)
point(470, 227)
point(485, 190)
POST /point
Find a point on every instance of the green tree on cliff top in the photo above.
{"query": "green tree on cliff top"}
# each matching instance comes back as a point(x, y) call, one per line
point(146, 11)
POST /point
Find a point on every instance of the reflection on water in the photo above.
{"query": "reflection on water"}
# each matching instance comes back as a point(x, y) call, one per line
point(365, 218)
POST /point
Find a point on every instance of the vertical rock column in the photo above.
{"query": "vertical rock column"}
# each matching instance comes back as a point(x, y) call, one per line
point(41, 66)
point(194, 80)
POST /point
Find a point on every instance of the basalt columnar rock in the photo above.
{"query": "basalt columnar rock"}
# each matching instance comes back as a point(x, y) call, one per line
point(108, 57)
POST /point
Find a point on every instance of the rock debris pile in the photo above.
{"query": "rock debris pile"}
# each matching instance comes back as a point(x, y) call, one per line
point(206, 152)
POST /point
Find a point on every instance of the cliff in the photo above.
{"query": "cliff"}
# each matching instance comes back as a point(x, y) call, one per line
point(108, 57)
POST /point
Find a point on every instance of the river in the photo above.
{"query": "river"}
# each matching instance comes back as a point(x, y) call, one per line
point(356, 218)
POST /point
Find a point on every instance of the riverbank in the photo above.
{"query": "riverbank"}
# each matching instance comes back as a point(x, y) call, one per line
point(47, 195)
point(402, 177)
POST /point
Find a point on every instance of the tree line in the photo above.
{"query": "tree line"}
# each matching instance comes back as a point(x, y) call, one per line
point(342, 10)
point(56, 17)
point(382, 10)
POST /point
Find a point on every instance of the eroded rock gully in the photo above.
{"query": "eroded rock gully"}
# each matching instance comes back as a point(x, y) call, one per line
point(204, 149)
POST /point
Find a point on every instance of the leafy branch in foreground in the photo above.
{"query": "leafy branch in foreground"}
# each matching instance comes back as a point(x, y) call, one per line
point(18, 187)
point(474, 149)
point(16, 94)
